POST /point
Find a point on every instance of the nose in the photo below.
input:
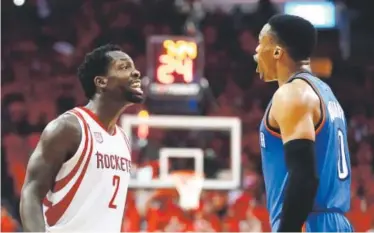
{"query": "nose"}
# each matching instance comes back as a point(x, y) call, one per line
point(135, 74)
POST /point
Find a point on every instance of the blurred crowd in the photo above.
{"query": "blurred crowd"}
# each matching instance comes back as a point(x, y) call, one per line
point(44, 41)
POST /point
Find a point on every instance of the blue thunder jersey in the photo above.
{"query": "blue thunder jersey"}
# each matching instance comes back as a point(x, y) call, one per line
point(332, 156)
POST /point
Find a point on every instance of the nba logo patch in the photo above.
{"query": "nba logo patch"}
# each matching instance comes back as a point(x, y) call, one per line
point(98, 137)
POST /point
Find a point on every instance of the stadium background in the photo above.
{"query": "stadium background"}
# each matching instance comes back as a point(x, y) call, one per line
point(43, 41)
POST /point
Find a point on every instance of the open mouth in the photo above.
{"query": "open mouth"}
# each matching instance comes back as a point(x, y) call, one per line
point(255, 58)
point(136, 88)
point(259, 72)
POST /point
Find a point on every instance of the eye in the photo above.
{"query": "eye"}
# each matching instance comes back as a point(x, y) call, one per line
point(124, 67)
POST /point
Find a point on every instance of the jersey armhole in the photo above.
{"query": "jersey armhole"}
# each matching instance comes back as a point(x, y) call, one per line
point(322, 119)
point(276, 131)
point(75, 156)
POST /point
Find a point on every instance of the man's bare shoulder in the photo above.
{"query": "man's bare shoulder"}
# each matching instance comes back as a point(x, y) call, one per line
point(293, 109)
point(296, 94)
point(62, 132)
point(65, 124)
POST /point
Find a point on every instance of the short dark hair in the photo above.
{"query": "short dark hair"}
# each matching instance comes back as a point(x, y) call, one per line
point(95, 63)
point(297, 34)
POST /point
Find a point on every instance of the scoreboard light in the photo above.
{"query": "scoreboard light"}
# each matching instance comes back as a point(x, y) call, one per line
point(175, 65)
point(320, 14)
point(176, 60)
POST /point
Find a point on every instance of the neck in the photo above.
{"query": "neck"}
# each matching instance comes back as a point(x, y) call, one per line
point(107, 111)
point(291, 69)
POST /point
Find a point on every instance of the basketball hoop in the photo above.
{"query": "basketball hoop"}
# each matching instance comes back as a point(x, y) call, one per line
point(189, 186)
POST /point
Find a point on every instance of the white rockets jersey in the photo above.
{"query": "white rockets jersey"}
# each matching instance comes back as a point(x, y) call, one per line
point(90, 189)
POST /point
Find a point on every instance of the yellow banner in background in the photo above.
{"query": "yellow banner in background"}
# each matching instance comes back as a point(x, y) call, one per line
point(322, 67)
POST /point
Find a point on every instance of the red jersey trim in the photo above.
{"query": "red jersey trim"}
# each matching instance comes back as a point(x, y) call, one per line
point(60, 184)
point(56, 211)
point(46, 202)
point(97, 120)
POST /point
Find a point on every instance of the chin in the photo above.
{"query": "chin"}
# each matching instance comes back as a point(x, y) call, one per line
point(267, 79)
point(270, 80)
point(134, 98)
point(263, 77)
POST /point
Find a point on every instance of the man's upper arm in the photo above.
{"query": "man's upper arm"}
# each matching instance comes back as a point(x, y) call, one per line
point(59, 139)
point(292, 109)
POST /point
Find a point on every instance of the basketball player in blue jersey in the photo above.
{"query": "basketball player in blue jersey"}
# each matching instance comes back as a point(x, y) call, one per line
point(303, 135)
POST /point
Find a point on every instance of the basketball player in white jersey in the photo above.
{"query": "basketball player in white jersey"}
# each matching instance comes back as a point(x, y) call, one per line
point(78, 175)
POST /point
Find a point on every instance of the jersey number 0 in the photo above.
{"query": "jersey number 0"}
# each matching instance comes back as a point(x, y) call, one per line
point(342, 158)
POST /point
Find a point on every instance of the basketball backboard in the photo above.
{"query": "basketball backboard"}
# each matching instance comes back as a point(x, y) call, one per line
point(144, 177)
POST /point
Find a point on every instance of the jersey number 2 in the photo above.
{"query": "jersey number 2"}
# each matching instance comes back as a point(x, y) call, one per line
point(342, 160)
point(115, 183)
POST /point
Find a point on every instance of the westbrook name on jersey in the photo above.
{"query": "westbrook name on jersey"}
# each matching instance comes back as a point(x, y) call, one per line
point(332, 161)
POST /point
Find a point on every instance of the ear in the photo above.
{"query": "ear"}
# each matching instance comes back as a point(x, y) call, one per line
point(101, 81)
point(278, 52)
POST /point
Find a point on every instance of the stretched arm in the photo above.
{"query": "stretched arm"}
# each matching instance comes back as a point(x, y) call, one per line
point(59, 139)
point(293, 107)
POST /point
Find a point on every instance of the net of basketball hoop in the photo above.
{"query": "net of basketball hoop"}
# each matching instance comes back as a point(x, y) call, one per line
point(189, 186)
